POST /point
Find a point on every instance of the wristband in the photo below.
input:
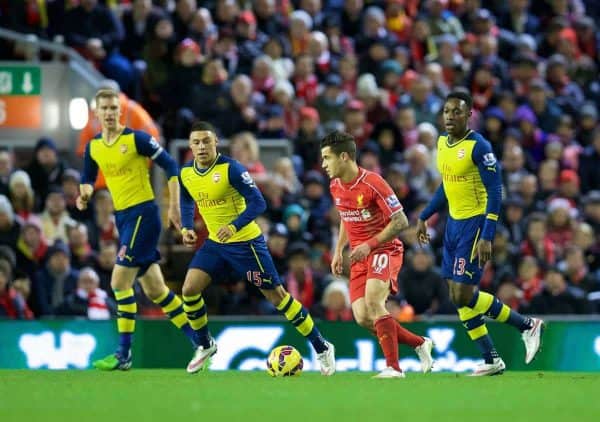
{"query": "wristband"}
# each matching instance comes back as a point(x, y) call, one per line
point(184, 231)
point(372, 242)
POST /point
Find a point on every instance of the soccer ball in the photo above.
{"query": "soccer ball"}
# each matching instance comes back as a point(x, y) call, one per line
point(284, 361)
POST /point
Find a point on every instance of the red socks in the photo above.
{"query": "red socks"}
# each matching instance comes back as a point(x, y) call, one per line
point(407, 337)
point(388, 336)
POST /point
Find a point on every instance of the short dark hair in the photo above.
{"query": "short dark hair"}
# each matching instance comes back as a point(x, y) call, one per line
point(340, 142)
point(202, 125)
point(461, 95)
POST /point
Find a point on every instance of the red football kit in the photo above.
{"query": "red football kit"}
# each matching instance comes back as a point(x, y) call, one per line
point(366, 205)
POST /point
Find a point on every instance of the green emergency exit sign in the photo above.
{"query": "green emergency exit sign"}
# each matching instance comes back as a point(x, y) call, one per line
point(20, 80)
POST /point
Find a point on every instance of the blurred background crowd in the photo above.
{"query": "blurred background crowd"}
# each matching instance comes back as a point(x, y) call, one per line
point(294, 70)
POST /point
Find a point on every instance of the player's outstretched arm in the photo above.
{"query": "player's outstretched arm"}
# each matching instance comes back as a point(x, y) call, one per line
point(88, 178)
point(438, 201)
point(337, 260)
point(174, 212)
point(491, 176)
point(187, 216)
point(241, 180)
point(147, 146)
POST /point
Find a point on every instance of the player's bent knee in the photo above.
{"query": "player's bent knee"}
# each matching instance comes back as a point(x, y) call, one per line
point(374, 309)
point(190, 290)
point(364, 322)
point(195, 282)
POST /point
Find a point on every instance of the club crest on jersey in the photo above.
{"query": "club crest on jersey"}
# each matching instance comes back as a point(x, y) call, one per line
point(123, 149)
point(392, 201)
point(359, 200)
point(461, 153)
point(216, 177)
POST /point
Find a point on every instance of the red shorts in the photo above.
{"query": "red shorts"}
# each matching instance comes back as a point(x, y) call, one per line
point(381, 264)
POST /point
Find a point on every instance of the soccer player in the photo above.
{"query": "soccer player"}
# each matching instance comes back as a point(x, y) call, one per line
point(122, 154)
point(229, 202)
point(371, 219)
point(472, 187)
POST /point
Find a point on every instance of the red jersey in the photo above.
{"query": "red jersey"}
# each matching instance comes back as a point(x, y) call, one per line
point(366, 206)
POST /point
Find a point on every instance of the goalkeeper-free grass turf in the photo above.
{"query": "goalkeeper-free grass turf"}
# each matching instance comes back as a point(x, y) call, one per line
point(174, 396)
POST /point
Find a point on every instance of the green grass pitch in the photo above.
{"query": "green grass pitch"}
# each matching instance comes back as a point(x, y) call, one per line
point(174, 396)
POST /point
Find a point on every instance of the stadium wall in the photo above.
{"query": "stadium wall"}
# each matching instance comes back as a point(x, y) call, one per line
point(244, 345)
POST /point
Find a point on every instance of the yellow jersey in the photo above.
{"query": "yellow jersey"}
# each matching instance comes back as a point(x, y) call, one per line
point(225, 194)
point(471, 181)
point(124, 164)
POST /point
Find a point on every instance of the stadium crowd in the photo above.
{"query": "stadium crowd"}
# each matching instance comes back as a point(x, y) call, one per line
point(297, 69)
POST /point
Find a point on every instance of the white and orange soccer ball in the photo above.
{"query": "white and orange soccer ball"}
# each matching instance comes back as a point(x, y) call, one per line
point(284, 361)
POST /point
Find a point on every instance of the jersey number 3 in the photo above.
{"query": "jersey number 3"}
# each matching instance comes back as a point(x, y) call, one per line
point(380, 262)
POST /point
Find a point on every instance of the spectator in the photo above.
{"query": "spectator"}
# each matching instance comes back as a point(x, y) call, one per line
point(12, 302)
point(561, 221)
point(407, 123)
point(55, 219)
point(325, 62)
point(301, 280)
point(268, 20)
point(244, 148)
point(6, 169)
point(296, 218)
point(138, 21)
point(589, 170)
point(529, 278)
point(576, 270)
point(202, 30)
point(585, 238)
point(277, 242)
point(513, 219)
point(318, 201)
point(105, 261)
point(501, 268)
point(330, 103)
point(281, 65)
point(430, 295)
point(558, 297)
point(335, 304)
point(88, 300)
point(21, 194)
point(249, 41)
point(31, 247)
point(240, 112)
point(305, 79)
point(537, 243)
point(46, 169)
point(103, 228)
point(307, 145)
point(55, 281)
point(284, 96)
point(284, 171)
point(389, 140)
point(300, 25)
point(70, 187)
point(10, 226)
point(82, 254)
point(94, 31)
